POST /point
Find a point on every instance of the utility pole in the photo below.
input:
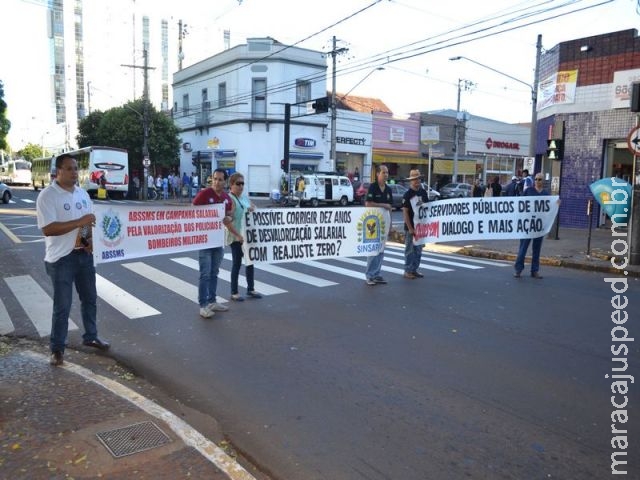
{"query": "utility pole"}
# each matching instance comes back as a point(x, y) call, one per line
point(467, 86)
point(145, 120)
point(334, 51)
point(89, 96)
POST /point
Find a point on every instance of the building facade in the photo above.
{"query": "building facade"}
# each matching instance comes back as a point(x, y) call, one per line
point(584, 101)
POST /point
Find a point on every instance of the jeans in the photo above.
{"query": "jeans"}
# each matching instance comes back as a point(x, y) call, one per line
point(77, 267)
point(535, 254)
point(374, 265)
point(210, 260)
point(412, 254)
point(236, 255)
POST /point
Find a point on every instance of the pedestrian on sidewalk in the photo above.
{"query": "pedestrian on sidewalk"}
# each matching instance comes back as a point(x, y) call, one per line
point(537, 190)
point(241, 206)
point(210, 258)
point(379, 195)
point(412, 252)
point(65, 216)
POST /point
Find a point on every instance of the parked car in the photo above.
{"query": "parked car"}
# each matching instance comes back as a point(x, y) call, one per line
point(397, 191)
point(360, 192)
point(5, 193)
point(432, 193)
point(456, 190)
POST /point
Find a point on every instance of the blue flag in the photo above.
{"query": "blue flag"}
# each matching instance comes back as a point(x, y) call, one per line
point(614, 200)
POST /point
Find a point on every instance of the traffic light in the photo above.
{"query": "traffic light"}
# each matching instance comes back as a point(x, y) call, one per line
point(284, 165)
point(321, 105)
point(555, 149)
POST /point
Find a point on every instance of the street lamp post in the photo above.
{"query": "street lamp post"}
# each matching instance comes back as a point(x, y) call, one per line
point(533, 88)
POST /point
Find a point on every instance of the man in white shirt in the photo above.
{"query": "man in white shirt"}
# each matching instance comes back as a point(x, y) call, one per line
point(65, 216)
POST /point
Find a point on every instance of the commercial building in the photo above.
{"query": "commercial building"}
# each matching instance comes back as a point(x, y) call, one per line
point(584, 104)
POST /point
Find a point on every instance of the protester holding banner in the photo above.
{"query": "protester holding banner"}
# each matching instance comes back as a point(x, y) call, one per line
point(211, 258)
point(379, 195)
point(65, 216)
point(416, 195)
point(536, 190)
point(241, 205)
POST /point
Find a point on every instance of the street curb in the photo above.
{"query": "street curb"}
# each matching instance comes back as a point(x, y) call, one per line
point(587, 264)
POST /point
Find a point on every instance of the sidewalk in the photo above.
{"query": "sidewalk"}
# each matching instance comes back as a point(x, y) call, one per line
point(571, 250)
point(52, 420)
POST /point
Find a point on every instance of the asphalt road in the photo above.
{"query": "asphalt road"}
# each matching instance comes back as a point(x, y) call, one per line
point(466, 373)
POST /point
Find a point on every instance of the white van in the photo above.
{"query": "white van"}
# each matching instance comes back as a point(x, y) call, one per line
point(324, 188)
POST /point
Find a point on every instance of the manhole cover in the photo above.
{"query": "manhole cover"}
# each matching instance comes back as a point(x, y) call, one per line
point(133, 439)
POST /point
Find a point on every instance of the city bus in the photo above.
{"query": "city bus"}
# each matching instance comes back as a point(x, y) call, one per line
point(43, 171)
point(16, 172)
point(108, 162)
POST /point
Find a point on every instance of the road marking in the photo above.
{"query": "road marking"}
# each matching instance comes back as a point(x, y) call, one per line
point(494, 263)
point(9, 234)
point(225, 275)
point(176, 285)
point(333, 268)
point(27, 200)
point(123, 301)
point(182, 429)
point(5, 321)
point(425, 259)
point(35, 302)
point(293, 275)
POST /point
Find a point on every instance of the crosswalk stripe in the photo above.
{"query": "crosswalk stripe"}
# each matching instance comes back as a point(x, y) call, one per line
point(176, 285)
point(35, 302)
point(6, 326)
point(333, 268)
point(493, 263)
point(435, 260)
point(27, 200)
point(225, 275)
point(293, 275)
point(123, 301)
point(399, 271)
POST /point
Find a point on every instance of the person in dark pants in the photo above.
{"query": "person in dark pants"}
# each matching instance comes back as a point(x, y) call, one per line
point(379, 195)
point(412, 252)
point(65, 216)
point(536, 190)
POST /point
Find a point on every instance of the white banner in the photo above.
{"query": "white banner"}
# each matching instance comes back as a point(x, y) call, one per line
point(486, 218)
point(123, 232)
point(292, 234)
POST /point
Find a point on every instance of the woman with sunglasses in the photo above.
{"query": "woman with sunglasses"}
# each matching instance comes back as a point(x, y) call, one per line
point(242, 206)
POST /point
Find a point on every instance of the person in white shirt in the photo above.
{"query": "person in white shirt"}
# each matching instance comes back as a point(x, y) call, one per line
point(65, 216)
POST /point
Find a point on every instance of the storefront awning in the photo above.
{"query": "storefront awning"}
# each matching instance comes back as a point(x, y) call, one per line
point(445, 167)
point(306, 155)
point(225, 153)
point(377, 158)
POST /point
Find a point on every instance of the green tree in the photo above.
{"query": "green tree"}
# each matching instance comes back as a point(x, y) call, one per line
point(31, 151)
point(5, 124)
point(122, 127)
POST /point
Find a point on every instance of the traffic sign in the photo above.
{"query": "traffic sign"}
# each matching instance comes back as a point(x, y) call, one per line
point(146, 162)
point(633, 141)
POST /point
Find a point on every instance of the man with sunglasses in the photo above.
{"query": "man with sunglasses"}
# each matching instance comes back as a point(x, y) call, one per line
point(209, 259)
point(536, 190)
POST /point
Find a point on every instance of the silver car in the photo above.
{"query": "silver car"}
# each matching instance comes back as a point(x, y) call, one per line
point(456, 190)
point(5, 193)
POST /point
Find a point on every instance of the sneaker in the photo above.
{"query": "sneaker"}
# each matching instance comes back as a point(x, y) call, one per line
point(254, 294)
point(418, 275)
point(517, 274)
point(410, 275)
point(205, 312)
point(56, 359)
point(536, 275)
point(371, 281)
point(236, 297)
point(216, 307)
point(379, 279)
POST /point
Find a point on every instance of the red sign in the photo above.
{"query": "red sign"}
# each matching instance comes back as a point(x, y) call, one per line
point(305, 142)
point(633, 141)
point(498, 144)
